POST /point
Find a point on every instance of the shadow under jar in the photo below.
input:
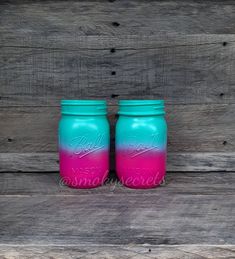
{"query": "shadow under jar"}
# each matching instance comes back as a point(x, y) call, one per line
point(84, 143)
point(141, 142)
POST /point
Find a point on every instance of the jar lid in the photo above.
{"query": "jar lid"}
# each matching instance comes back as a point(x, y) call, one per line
point(83, 107)
point(141, 107)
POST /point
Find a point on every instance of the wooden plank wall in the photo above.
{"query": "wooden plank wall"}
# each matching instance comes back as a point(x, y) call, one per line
point(181, 51)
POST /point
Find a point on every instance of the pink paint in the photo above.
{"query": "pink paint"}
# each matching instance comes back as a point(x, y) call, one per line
point(146, 170)
point(86, 171)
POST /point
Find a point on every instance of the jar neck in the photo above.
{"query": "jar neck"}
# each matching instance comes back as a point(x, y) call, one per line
point(141, 107)
point(83, 107)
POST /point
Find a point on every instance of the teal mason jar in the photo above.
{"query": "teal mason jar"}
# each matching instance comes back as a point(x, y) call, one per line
point(141, 142)
point(84, 143)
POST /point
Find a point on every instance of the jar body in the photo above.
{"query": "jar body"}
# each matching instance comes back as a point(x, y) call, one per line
point(141, 143)
point(84, 150)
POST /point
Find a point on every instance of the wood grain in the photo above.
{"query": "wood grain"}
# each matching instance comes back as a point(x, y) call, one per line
point(162, 216)
point(191, 216)
point(187, 183)
point(117, 252)
point(118, 219)
point(63, 18)
point(186, 69)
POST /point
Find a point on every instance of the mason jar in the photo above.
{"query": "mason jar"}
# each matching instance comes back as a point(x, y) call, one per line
point(84, 143)
point(141, 142)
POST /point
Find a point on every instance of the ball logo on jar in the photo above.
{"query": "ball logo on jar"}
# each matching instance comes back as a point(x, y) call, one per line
point(137, 148)
point(83, 146)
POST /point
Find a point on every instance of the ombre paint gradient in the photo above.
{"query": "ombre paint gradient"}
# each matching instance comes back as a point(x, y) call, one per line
point(141, 156)
point(87, 171)
point(84, 159)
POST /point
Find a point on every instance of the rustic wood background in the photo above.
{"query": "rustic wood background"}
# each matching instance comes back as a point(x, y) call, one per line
point(181, 51)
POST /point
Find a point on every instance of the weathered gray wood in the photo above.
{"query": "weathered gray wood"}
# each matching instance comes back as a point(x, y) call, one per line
point(176, 161)
point(118, 219)
point(139, 217)
point(63, 18)
point(192, 128)
point(179, 68)
point(29, 162)
point(28, 184)
point(201, 161)
point(191, 216)
point(117, 252)
point(74, 42)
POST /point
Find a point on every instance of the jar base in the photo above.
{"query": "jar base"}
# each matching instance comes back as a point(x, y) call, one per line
point(77, 184)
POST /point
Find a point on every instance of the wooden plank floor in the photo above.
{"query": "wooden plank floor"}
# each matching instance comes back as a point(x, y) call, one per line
point(191, 216)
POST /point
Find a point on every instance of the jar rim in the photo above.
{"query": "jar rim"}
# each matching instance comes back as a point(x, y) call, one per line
point(82, 102)
point(83, 107)
point(141, 107)
point(140, 102)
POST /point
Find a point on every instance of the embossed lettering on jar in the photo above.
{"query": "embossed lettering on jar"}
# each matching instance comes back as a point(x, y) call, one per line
point(141, 141)
point(83, 143)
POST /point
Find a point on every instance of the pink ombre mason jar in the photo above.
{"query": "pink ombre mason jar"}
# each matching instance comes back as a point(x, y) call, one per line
point(141, 141)
point(83, 143)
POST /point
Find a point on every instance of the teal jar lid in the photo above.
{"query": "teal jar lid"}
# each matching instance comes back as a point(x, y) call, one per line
point(83, 107)
point(141, 107)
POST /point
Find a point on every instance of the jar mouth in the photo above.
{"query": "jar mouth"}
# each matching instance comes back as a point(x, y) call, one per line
point(83, 107)
point(83, 102)
point(141, 107)
point(140, 102)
